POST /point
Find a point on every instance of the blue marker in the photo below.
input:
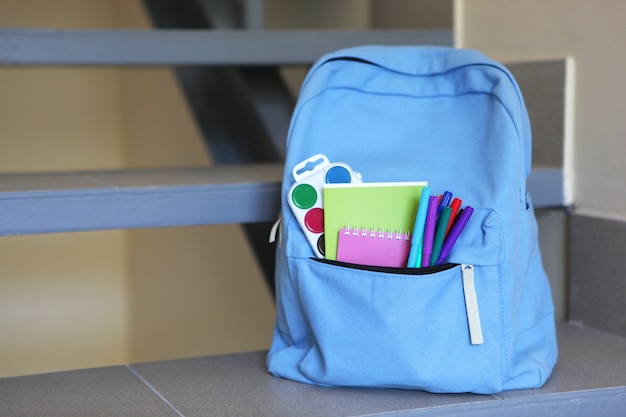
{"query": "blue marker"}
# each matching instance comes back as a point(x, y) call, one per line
point(445, 201)
point(415, 255)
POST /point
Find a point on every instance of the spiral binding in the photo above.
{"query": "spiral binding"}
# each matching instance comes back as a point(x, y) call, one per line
point(379, 233)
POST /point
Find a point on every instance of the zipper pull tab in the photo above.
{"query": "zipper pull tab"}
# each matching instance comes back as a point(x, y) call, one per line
point(277, 229)
point(471, 305)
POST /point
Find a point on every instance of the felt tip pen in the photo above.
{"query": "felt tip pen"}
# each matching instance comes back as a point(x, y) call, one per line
point(415, 254)
point(429, 231)
point(455, 206)
point(455, 232)
point(440, 234)
point(444, 201)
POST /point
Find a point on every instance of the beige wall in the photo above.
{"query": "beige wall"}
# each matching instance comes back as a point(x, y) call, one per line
point(90, 299)
point(62, 302)
point(592, 33)
point(195, 290)
point(62, 297)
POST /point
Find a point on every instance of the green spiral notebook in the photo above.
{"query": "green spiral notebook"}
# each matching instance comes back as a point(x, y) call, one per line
point(380, 206)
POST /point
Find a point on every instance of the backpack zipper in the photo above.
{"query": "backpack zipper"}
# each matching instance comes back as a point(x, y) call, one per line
point(471, 304)
point(467, 274)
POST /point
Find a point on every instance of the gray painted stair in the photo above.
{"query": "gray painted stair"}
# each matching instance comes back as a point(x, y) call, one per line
point(589, 380)
point(80, 201)
point(193, 47)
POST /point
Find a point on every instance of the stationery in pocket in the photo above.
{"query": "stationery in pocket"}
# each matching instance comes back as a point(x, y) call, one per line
point(386, 206)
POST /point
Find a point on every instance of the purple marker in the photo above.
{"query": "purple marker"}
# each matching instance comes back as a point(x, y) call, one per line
point(455, 232)
point(429, 230)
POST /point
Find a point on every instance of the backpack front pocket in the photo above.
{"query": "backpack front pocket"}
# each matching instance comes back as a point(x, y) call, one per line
point(350, 325)
point(391, 330)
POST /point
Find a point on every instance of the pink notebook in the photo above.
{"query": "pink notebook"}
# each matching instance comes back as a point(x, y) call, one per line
point(373, 247)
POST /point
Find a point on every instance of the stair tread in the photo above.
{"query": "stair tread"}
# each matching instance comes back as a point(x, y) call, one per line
point(194, 47)
point(589, 379)
point(99, 200)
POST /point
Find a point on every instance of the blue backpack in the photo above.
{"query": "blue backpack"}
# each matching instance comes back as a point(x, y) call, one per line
point(483, 324)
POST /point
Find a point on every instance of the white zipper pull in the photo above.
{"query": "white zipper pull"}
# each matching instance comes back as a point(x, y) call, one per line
point(277, 229)
point(471, 305)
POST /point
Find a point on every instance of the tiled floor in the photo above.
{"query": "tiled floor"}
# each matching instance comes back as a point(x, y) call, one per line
point(590, 378)
point(93, 392)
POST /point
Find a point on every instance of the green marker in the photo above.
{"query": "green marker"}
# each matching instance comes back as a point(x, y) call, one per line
point(440, 234)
